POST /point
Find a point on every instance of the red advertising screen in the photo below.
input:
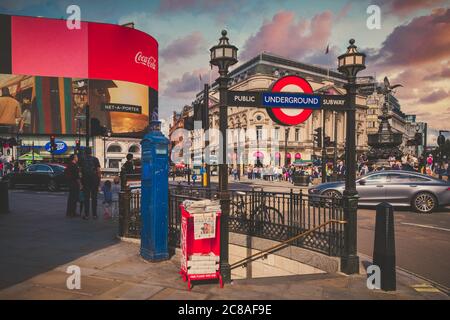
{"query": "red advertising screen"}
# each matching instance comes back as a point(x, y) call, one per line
point(49, 73)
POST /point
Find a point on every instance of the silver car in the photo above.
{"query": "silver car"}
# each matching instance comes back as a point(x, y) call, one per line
point(399, 188)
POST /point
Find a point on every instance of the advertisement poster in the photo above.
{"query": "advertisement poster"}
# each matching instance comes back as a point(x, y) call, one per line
point(204, 226)
point(51, 105)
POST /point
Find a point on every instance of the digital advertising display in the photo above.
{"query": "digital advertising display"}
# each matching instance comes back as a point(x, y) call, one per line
point(50, 73)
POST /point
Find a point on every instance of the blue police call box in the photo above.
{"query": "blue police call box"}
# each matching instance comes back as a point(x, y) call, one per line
point(154, 195)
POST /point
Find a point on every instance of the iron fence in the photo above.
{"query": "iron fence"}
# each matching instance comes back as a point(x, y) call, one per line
point(282, 215)
point(271, 215)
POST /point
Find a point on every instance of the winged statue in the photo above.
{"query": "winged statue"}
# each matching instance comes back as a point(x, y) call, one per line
point(387, 88)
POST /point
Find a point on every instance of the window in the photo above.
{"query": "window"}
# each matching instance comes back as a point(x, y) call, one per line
point(114, 148)
point(276, 135)
point(297, 134)
point(32, 168)
point(114, 163)
point(58, 168)
point(258, 133)
point(134, 149)
point(43, 168)
point(376, 178)
point(405, 178)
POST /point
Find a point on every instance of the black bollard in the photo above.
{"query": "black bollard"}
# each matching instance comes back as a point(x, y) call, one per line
point(4, 197)
point(384, 246)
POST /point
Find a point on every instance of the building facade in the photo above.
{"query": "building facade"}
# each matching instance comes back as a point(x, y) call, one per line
point(263, 141)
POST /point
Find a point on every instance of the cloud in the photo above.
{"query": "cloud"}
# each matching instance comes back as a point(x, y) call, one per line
point(184, 47)
point(425, 39)
point(325, 60)
point(435, 96)
point(285, 36)
point(403, 8)
point(189, 83)
point(344, 11)
point(444, 73)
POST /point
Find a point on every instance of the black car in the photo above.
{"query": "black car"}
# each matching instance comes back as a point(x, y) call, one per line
point(49, 176)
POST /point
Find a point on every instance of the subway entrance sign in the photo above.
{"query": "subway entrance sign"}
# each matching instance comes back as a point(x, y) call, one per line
point(260, 99)
point(287, 108)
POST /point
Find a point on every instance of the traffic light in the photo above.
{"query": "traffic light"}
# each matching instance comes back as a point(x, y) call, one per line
point(189, 123)
point(52, 143)
point(318, 137)
point(418, 139)
point(441, 140)
point(327, 141)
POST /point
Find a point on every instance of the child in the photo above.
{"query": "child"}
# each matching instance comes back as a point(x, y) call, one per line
point(107, 199)
point(115, 189)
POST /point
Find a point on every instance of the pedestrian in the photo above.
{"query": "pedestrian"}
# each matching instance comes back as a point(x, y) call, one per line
point(91, 174)
point(234, 171)
point(128, 166)
point(194, 177)
point(115, 190)
point(340, 170)
point(107, 199)
point(72, 174)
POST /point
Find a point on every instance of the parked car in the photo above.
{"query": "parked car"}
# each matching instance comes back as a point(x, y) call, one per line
point(397, 187)
point(50, 176)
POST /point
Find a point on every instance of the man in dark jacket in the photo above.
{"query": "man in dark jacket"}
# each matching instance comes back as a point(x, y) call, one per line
point(128, 166)
point(91, 175)
point(72, 173)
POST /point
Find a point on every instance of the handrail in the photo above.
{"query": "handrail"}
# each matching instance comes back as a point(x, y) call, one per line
point(264, 253)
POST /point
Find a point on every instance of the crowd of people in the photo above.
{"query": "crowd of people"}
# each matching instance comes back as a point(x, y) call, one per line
point(427, 166)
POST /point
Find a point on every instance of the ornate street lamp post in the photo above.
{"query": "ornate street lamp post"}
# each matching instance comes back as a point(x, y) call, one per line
point(349, 64)
point(223, 56)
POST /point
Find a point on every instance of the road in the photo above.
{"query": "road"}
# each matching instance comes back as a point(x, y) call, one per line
point(422, 241)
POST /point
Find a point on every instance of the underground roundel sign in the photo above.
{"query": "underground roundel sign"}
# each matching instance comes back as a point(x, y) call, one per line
point(290, 116)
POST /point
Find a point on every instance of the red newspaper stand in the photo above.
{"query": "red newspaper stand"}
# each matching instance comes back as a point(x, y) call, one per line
point(200, 249)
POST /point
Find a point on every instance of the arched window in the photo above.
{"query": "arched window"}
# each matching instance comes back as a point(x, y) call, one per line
point(114, 148)
point(134, 149)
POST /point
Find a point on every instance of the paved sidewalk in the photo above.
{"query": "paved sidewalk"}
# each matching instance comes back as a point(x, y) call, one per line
point(118, 272)
point(37, 243)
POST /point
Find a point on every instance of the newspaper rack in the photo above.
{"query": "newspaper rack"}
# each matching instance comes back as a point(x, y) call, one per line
point(203, 251)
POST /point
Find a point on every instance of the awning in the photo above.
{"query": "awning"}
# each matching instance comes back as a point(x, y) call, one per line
point(258, 154)
point(30, 156)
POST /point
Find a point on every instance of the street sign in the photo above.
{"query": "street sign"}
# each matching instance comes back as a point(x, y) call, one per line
point(244, 98)
point(61, 147)
point(287, 108)
point(289, 116)
point(330, 101)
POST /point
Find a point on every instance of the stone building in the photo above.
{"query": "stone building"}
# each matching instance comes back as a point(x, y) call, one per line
point(258, 74)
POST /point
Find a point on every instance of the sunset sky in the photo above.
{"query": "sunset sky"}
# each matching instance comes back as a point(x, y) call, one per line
point(412, 47)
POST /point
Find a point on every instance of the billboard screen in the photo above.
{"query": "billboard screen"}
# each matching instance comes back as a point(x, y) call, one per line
point(44, 105)
point(49, 73)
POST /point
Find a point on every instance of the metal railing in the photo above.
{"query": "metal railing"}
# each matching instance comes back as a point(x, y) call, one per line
point(281, 215)
point(262, 254)
point(278, 216)
point(130, 213)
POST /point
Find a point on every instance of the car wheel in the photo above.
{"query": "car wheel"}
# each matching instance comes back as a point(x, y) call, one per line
point(424, 202)
point(52, 186)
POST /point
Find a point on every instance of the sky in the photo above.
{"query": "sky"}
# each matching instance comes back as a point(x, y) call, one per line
point(412, 46)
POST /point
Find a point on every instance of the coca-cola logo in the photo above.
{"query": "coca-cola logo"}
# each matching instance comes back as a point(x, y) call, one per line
point(146, 61)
